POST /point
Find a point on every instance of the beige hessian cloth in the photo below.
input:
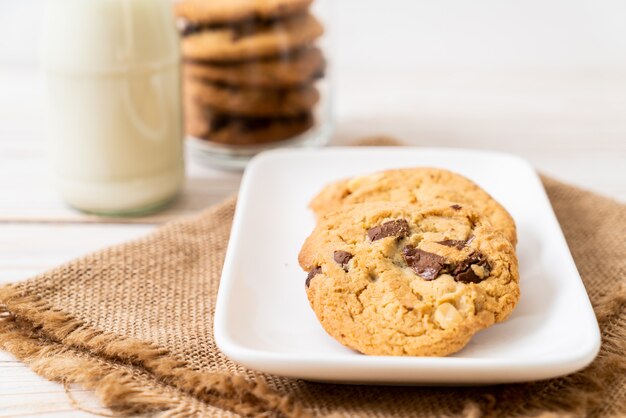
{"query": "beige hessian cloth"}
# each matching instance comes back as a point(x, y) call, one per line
point(134, 323)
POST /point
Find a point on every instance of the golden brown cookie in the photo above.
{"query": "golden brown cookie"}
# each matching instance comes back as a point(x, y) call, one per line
point(236, 130)
point(253, 102)
point(415, 185)
point(251, 40)
point(296, 69)
point(216, 12)
point(390, 278)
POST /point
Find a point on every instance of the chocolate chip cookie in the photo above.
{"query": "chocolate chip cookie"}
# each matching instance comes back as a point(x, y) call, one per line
point(250, 39)
point(253, 102)
point(391, 278)
point(415, 185)
point(297, 69)
point(219, 12)
point(230, 129)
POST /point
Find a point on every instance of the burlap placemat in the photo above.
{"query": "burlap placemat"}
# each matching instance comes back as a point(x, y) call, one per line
point(134, 323)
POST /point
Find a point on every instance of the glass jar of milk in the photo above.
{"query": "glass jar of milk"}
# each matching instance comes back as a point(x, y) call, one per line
point(112, 70)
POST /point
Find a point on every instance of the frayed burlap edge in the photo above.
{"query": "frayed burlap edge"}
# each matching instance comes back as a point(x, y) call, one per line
point(119, 389)
point(42, 337)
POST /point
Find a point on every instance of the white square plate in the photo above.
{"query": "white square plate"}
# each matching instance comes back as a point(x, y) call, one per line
point(263, 319)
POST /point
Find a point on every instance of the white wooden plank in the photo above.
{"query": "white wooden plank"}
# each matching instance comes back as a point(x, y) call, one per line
point(29, 249)
point(27, 194)
point(24, 393)
point(46, 404)
point(61, 413)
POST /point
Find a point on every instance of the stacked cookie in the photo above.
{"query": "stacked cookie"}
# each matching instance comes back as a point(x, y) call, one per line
point(409, 262)
point(250, 69)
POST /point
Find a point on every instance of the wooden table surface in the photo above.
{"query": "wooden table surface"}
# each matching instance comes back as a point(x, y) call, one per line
point(571, 126)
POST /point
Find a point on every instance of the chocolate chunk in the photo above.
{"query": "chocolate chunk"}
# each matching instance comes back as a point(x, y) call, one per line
point(314, 272)
point(398, 228)
point(427, 265)
point(456, 207)
point(464, 273)
point(467, 276)
point(458, 244)
point(473, 258)
point(342, 258)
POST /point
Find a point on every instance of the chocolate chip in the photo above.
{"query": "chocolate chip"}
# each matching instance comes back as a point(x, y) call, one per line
point(398, 228)
point(467, 276)
point(464, 272)
point(458, 244)
point(314, 272)
point(456, 207)
point(342, 258)
point(427, 265)
point(473, 258)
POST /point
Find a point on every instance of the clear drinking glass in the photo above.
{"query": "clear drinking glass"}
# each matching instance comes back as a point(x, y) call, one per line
point(254, 80)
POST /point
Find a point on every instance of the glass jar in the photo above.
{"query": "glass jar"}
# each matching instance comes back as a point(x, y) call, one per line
point(114, 113)
point(255, 77)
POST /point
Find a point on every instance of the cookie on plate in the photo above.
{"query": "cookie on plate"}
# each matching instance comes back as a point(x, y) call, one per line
point(220, 12)
point(254, 102)
point(299, 68)
point(389, 278)
point(415, 185)
point(250, 40)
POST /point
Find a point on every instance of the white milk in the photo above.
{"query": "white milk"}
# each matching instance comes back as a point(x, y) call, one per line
point(113, 103)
